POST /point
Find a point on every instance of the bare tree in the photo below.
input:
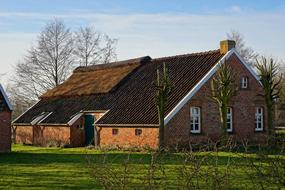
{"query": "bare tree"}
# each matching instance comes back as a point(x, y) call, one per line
point(92, 47)
point(248, 54)
point(268, 70)
point(223, 89)
point(47, 64)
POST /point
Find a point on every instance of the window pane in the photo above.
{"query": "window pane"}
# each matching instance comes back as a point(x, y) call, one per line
point(229, 111)
point(194, 111)
point(196, 127)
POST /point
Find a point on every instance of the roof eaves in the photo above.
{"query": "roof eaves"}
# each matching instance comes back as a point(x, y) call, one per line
point(14, 121)
point(128, 125)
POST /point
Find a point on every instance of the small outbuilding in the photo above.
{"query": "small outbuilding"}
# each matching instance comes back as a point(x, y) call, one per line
point(5, 122)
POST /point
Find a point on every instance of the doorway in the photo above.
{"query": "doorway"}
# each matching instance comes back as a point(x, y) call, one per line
point(89, 129)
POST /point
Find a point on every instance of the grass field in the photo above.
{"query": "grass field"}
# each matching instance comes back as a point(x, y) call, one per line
point(29, 167)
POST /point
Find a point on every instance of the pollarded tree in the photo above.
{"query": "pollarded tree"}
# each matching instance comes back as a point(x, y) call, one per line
point(223, 89)
point(268, 71)
point(92, 47)
point(163, 88)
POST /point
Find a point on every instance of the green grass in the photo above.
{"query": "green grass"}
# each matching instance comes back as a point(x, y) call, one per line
point(29, 167)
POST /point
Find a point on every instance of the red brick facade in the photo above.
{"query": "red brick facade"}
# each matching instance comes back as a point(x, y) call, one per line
point(126, 137)
point(24, 134)
point(5, 131)
point(43, 135)
point(243, 105)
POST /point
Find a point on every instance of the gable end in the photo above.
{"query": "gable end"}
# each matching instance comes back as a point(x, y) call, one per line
point(197, 87)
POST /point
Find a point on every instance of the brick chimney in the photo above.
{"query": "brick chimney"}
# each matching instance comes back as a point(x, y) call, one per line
point(226, 45)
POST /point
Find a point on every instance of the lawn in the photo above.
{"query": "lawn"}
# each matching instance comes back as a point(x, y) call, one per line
point(29, 167)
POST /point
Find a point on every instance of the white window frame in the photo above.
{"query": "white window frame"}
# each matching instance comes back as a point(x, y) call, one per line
point(259, 118)
point(230, 118)
point(244, 82)
point(192, 120)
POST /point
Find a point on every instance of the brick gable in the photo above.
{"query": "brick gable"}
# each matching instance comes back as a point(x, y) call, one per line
point(243, 104)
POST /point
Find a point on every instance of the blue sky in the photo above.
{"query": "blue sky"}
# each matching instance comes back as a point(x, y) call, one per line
point(147, 27)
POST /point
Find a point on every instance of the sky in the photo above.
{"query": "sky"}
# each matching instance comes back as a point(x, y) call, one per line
point(147, 27)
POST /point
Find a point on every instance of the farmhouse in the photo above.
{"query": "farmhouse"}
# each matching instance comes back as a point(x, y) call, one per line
point(114, 104)
point(5, 122)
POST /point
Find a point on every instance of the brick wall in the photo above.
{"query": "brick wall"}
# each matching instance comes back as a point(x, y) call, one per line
point(24, 134)
point(243, 104)
point(44, 135)
point(5, 131)
point(126, 137)
point(77, 134)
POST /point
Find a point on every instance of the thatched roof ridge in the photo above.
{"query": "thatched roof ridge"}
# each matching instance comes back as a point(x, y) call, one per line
point(139, 60)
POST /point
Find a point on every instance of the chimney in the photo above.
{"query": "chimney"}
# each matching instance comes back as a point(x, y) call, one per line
point(226, 45)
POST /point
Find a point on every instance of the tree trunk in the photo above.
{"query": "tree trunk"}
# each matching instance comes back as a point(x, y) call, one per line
point(271, 131)
point(161, 125)
point(223, 119)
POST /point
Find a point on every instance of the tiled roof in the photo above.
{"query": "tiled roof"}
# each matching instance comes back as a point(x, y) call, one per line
point(131, 100)
point(136, 104)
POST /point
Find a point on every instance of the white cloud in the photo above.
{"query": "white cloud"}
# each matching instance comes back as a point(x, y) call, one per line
point(162, 34)
point(234, 9)
point(13, 46)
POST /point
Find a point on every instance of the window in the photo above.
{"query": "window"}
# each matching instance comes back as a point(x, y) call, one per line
point(230, 120)
point(80, 126)
point(244, 82)
point(115, 131)
point(138, 132)
point(259, 119)
point(195, 120)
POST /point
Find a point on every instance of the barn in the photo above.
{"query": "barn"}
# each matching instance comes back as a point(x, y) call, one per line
point(114, 104)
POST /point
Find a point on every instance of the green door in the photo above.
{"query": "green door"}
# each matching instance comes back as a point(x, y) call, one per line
point(89, 129)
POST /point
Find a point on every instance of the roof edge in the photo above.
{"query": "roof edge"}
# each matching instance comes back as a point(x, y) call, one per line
point(6, 98)
point(195, 89)
point(187, 54)
point(128, 125)
point(14, 121)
